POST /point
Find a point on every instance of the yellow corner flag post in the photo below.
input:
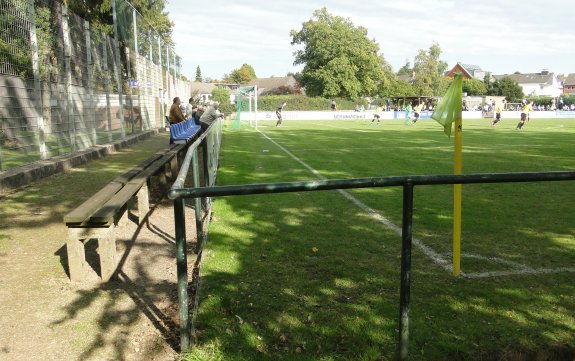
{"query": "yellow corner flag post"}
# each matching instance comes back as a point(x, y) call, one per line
point(449, 111)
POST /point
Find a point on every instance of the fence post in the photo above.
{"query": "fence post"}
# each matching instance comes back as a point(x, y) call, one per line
point(38, 106)
point(168, 74)
point(197, 202)
point(116, 64)
point(137, 73)
point(91, 116)
point(406, 238)
point(68, 69)
point(182, 270)
point(107, 86)
point(161, 89)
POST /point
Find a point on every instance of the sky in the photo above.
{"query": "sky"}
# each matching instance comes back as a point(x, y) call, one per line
point(500, 36)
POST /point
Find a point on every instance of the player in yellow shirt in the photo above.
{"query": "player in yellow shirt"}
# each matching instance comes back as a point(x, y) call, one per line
point(498, 109)
point(527, 107)
point(416, 112)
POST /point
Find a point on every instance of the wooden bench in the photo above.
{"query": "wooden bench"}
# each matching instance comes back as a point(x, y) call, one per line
point(98, 217)
point(184, 132)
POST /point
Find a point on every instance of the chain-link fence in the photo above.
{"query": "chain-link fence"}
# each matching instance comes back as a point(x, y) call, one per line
point(65, 86)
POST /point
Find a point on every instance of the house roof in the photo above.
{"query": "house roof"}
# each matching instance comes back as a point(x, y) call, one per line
point(533, 78)
point(470, 67)
point(406, 78)
point(273, 82)
point(570, 80)
point(202, 88)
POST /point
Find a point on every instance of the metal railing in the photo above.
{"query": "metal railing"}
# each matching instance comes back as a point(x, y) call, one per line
point(407, 182)
point(209, 142)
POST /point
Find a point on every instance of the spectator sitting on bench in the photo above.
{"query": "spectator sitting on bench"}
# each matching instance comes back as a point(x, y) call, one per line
point(176, 114)
point(210, 115)
point(190, 109)
point(198, 114)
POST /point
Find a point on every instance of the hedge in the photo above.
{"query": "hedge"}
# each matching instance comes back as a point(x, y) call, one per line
point(299, 102)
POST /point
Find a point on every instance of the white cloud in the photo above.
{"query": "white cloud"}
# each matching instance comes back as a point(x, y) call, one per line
point(499, 36)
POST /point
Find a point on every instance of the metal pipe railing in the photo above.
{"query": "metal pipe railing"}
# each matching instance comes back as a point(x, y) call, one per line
point(407, 182)
point(191, 158)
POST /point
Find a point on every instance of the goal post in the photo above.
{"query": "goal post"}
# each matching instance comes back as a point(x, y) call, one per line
point(246, 101)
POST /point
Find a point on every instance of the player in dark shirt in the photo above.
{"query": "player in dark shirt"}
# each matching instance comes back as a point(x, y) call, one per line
point(279, 114)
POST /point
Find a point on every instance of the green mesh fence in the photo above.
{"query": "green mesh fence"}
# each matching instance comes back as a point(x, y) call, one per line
point(66, 86)
point(242, 104)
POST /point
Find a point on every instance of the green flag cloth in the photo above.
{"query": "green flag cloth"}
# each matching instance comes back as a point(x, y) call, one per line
point(450, 107)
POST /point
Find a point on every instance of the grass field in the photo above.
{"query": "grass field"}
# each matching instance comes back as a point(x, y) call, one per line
point(315, 275)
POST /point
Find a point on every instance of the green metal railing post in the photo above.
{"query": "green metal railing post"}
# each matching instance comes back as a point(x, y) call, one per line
point(206, 165)
point(197, 202)
point(182, 270)
point(406, 238)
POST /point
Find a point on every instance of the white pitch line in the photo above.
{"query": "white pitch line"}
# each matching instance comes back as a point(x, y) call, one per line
point(529, 271)
point(497, 260)
point(436, 257)
point(428, 251)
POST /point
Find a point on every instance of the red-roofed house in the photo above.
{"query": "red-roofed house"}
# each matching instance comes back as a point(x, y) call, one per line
point(468, 71)
point(569, 85)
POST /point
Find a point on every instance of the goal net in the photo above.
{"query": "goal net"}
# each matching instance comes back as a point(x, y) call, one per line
point(246, 106)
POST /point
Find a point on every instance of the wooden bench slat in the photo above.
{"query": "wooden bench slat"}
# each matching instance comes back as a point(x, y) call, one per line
point(80, 213)
point(126, 177)
point(153, 168)
point(107, 213)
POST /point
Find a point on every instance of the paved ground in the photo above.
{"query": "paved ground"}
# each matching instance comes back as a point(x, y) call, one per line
point(43, 316)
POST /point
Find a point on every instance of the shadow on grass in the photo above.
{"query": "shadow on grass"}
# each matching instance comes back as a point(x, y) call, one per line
point(283, 300)
point(267, 295)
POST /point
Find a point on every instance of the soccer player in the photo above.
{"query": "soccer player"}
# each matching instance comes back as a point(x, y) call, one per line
point(279, 114)
point(416, 112)
point(527, 107)
point(408, 110)
point(376, 116)
point(498, 109)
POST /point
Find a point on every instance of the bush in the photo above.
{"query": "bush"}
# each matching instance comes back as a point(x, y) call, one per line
point(301, 102)
point(568, 100)
point(222, 96)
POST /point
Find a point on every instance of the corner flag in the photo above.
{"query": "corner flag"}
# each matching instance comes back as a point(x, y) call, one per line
point(450, 106)
point(449, 111)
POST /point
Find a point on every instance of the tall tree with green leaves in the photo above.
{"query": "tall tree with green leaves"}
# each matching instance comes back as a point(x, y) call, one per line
point(198, 74)
point(474, 87)
point(405, 69)
point(99, 14)
point(508, 88)
point(339, 59)
point(243, 75)
point(429, 72)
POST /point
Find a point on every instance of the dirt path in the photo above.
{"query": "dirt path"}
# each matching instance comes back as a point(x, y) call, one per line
point(45, 317)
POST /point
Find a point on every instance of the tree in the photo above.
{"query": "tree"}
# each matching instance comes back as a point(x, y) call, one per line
point(406, 69)
point(474, 87)
point(198, 74)
point(400, 88)
point(339, 60)
point(508, 88)
point(243, 75)
point(222, 96)
point(429, 70)
point(99, 14)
